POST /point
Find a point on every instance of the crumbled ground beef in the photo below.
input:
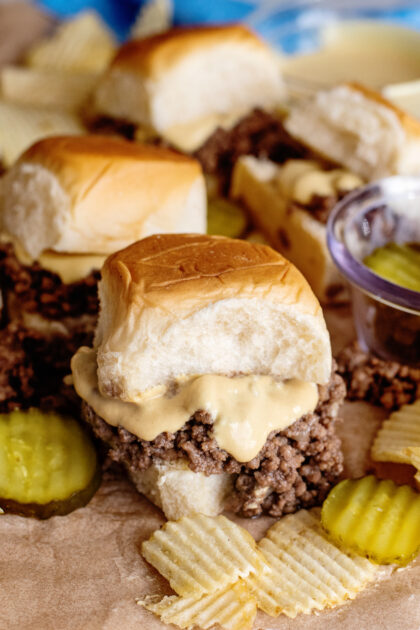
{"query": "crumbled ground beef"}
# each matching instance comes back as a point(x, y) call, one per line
point(320, 207)
point(32, 368)
point(40, 291)
point(385, 383)
point(295, 468)
point(259, 133)
point(110, 127)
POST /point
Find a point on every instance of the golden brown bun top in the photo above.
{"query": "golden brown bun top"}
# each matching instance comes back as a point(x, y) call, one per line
point(154, 55)
point(410, 124)
point(91, 147)
point(96, 195)
point(187, 271)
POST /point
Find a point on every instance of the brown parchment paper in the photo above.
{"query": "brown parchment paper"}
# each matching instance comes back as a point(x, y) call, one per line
point(84, 571)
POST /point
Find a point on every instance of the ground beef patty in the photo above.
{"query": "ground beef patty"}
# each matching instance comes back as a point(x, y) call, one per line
point(32, 368)
point(40, 291)
point(380, 382)
point(259, 134)
point(320, 206)
point(295, 468)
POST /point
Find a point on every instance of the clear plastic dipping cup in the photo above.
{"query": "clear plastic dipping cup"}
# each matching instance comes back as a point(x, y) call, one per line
point(386, 315)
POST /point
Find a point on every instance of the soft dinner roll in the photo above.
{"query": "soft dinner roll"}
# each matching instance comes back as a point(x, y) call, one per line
point(178, 305)
point(186, 82)
point(94, 195)
point(358, 128)
point(210, 379)
point(177, 490)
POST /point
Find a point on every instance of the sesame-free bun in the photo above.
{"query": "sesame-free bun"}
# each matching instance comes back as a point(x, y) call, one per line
point(94, 194)
point(180, 305)
point(182, 83)
point(179, 491)
point(358, 128)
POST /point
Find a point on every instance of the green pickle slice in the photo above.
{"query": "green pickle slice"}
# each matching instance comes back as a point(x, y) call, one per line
point(376, 519)
point(225, 218)
point(399, 264)
point(48, 464)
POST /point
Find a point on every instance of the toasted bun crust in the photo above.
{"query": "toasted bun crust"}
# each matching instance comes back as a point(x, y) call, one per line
point(191, 304)
point(190, 77)
point(94, 194)
point(152, 56)
point(358, 128)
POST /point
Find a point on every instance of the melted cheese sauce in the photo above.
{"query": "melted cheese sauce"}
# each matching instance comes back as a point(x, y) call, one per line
point(245, 409)
point(70, 267)
point(300, 180)
point(190, 136)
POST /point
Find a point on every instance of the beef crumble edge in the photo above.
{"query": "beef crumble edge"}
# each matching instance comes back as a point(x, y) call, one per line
point(40, 291)
point(295, 468)
point(377, 381)
point(33, 366)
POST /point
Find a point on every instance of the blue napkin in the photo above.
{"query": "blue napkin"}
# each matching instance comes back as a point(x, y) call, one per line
point(292, 26)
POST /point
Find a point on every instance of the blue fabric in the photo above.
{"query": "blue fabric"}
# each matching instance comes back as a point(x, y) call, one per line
point(286, 24)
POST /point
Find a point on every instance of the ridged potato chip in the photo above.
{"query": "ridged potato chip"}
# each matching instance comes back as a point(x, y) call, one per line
point(233, 608)
point(46, 88)
point(413, 454)
point(201, 554)
point(83, 44)
point(155, 16)
point(398, 433)
point(21, 126)
point(307, 571)
point(377, 519)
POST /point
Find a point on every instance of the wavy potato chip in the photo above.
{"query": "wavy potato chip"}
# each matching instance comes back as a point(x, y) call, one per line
point(306, 570)
point(377, 519)
point(401, 431)
point(201, 554)
point(83, 44)
point(233, 608)
point(46, 88)
point(21, 126)
point(155, 16)
point(413, 455)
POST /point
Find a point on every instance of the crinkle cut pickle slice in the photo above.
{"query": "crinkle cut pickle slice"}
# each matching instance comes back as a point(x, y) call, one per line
point(376, 519)
point(48, 464)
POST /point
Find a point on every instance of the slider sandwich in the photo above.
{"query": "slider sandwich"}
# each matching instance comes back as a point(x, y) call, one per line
point(359, 129)
point(210, 378)
point(356, 136)
point(211, 90)
point(66, 204)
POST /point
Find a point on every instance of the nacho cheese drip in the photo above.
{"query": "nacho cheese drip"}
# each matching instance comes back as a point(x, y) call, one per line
point(244, 409)
point(300, 180)
point(70, 267)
